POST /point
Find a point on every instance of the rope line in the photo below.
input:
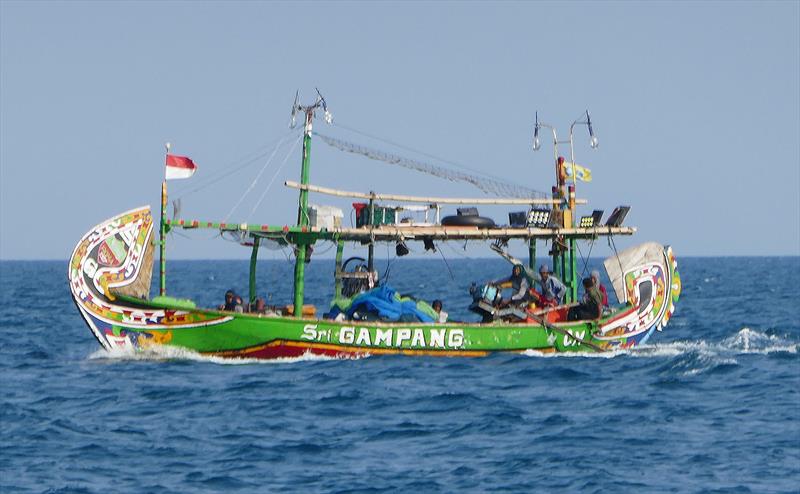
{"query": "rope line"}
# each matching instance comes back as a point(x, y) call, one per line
point(244, 162)
point(264, 193)
point(255, 180)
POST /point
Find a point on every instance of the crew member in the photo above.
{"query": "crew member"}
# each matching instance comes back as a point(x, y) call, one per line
point(600, 286)
point(437, 306)
point(553, 290)
point(518, 283)
point(591, 307)
point(230, 301)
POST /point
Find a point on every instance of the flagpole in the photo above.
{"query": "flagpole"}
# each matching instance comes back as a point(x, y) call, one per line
point(162, 269)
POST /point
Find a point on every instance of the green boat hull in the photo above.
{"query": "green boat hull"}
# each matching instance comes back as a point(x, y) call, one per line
point(107, 289)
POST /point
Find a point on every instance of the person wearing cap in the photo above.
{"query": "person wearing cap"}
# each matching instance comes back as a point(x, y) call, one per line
point(553, 290)
point(600, 287)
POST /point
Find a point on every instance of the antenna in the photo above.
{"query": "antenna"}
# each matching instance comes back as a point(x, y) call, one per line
point(293, 121)
point(327, 115)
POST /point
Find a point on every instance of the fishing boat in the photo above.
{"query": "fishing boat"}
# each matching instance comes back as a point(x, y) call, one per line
point(111, 268)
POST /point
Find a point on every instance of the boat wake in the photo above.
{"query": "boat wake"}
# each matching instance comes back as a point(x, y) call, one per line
point(708, 354)
point(165, 353)
point(745, 341)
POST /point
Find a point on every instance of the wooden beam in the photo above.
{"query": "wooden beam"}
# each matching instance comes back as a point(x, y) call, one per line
point(424, 200)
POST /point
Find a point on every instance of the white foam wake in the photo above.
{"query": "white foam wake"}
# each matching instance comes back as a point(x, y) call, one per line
point(161, 353)
point(745, 341)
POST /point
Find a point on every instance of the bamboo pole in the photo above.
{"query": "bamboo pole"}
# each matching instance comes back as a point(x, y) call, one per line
point(162, 267)
point(422, 199)
point(407, 231)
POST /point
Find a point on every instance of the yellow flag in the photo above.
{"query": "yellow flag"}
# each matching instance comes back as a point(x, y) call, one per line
point(581, 172)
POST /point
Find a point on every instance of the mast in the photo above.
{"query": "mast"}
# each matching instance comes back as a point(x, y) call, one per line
point(564, 259)
point(302, 218)
point(162, 242)
point(162, 236)
point(304, 242)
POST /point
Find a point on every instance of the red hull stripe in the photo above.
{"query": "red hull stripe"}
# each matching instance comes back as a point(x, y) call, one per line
point(287, 348)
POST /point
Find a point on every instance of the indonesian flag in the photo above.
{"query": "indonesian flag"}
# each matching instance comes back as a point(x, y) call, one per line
point(179, 167)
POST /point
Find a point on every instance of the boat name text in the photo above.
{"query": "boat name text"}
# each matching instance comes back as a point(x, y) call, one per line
point(390, 337)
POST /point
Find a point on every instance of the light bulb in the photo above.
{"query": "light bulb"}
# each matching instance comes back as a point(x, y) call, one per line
point(593, 142)
point(537, 145)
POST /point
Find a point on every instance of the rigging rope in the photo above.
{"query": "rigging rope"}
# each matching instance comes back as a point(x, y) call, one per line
point(585, 259)
point(487, 185)
point(264, 193)
point(255, 180)
point(452, 277)
point(616, 254)
point(224, 173)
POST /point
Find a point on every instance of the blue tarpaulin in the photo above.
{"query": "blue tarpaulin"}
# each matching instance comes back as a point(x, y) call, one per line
point(385, 302)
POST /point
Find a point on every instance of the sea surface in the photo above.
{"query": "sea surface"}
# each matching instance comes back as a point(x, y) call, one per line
point(711, 404)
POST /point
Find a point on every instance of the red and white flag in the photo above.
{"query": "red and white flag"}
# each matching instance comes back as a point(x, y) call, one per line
point(179, 167)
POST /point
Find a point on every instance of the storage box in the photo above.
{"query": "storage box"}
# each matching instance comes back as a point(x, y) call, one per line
point(327, 217)
point(383, 215)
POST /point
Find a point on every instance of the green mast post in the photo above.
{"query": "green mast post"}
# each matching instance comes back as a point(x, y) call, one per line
point(303, 241)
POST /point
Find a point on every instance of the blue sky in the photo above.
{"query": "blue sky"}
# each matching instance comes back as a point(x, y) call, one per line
point(697, 107)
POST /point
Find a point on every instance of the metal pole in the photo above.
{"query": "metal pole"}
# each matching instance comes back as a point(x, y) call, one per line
point(573, 267)
point(302, 219)
point(253, 263)
point(162, 269)
point(302, 211)
point(371, 248)
point(572, 163)
point(532, 253)
point(337, 273)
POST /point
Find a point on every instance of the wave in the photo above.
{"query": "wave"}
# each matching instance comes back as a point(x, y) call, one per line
point(688, 359)
point(745, 341)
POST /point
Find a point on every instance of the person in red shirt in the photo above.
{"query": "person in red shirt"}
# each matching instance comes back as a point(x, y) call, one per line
point(600, 286)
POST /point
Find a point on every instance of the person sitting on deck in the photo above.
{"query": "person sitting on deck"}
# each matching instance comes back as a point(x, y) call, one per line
point(600, 287)
point(553, 290)
point(591, 307)
point(239, 307)
point(518, 283)
point(230, 301)
point(437, 306)
point(260, 307)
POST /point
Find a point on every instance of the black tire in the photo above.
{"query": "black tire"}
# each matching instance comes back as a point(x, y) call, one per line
point(478, 221)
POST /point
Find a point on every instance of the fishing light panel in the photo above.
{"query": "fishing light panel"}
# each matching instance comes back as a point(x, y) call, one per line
point(587, 221)
point(618, 216)
point(538, 217)
point(594, 219)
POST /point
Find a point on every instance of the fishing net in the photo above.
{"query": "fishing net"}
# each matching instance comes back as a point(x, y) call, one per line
point(485, 184)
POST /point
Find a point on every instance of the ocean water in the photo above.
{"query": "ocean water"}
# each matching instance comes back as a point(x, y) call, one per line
point(712, 404)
